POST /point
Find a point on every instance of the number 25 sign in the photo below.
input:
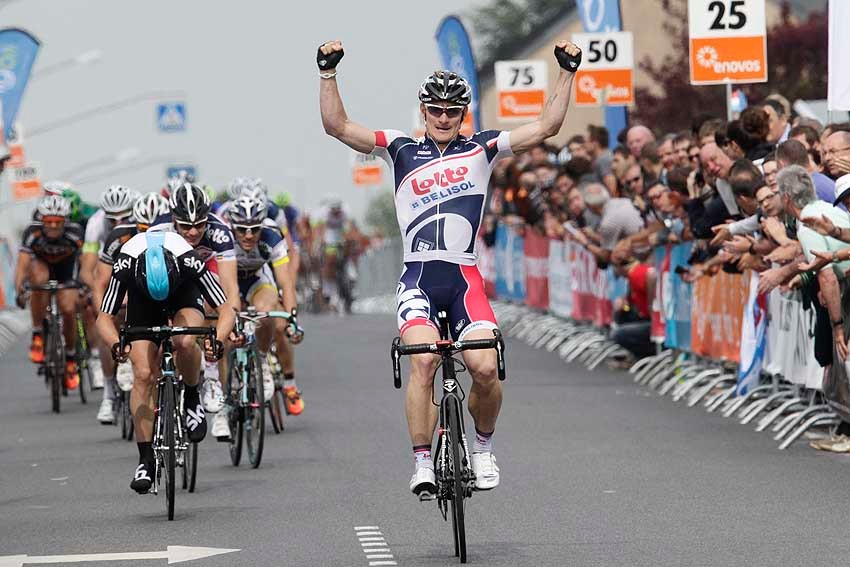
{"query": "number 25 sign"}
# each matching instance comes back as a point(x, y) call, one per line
point(727, 41)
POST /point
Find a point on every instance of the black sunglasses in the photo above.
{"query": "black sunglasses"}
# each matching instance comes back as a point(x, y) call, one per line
point(437, 111)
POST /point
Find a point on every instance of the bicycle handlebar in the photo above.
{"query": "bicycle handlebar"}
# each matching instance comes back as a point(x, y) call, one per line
point(449, 347)
point(53, 285)
point(158, 333)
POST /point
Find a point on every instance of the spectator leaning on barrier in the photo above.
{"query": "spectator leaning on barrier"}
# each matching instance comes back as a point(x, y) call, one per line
point(800, 201)
point(650, 163)
point(618, 219)
point(835, 154)
point(632, 329)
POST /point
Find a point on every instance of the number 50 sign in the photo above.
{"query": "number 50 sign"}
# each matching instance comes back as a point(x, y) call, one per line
point(728, 43)
point(606, 75)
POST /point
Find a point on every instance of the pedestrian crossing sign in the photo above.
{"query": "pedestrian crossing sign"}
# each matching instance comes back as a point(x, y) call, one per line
point(171, 116)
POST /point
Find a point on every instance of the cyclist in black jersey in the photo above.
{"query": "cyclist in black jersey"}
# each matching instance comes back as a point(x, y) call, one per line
point(49, 251)
point(164, 280)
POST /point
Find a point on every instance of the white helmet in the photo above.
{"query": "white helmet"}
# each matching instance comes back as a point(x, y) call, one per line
point(258, 183)
point(54, 206)
point(56, 187)
point(237, 186)
point(117, 199)
point(148, 207)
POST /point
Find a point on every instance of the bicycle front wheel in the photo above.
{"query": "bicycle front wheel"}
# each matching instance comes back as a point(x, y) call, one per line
point(254, 417)
point(458, 489)
point(192, 465)
point(234, 414)
point(169, 411)
point(54, 365)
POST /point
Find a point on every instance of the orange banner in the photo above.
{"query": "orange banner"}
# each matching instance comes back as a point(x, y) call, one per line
point(736, 59)
point(718, 309)
point(521, 104)
point(613, 85)
point(368, 175)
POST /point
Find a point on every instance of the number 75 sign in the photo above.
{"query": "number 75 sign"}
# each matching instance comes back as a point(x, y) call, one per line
point(728, 43)
point(606, 75)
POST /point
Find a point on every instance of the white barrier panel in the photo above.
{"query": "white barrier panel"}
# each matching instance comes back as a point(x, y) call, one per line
point(560, 280)
point(790, 342)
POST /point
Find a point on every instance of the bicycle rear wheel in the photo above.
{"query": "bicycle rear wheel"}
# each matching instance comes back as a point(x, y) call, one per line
point(254, 416)
point(169, 412)
point(276, 410)
point(458, 489)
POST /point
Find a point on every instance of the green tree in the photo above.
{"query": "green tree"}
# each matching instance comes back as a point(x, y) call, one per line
point(503, 27)
point(380, 214)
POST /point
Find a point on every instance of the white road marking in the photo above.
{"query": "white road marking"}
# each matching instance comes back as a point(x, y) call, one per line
point(60, 478)
point(173, 553)
point(374, 546)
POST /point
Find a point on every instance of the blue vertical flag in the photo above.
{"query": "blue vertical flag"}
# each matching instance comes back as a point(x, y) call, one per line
point(18, 49)
point(456, 54)
point(604, 16)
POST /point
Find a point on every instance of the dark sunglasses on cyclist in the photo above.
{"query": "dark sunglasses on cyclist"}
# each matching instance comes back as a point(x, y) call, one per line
point(183, 225)
point(245, 228)
point(437, 111)
point(118, 219)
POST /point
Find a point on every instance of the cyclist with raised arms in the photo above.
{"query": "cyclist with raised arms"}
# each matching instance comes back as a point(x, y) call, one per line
point(210, 236)
point(265, 282)
point(440, 188)
point(165, 280)
point(49, 251)
point(145, 212)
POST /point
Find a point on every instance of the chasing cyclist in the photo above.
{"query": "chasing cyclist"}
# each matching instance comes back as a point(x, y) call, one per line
point(440, 188)
point(49, 251)
point(165, 280)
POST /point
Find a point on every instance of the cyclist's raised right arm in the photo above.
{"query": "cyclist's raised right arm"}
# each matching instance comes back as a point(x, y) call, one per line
point(334, 118)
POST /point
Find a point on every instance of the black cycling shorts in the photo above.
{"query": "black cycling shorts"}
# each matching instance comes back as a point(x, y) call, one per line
point(64, 271)
point(142, 311)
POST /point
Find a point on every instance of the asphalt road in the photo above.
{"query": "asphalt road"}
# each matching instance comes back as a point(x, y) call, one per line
point(595, 471)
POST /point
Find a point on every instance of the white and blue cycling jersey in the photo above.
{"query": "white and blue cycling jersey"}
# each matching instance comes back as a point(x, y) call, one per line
point(440, 196)
point(217, 241)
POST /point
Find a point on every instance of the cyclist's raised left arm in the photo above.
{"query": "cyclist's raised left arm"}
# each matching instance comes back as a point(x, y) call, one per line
point(555, 110)
point(334, 118)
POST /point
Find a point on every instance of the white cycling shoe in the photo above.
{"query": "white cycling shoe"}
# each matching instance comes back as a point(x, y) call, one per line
point(124, 376)
point(268, 382)
point(96, 373)
point(220, 427)
point(424, 483)
point(105, 415)
point(486, 471)
point(212, 398)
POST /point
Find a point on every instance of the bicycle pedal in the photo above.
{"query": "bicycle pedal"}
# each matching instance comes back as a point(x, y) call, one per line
point(427, 497)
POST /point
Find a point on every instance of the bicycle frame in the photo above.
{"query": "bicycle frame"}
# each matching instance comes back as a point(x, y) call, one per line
point(168, 379)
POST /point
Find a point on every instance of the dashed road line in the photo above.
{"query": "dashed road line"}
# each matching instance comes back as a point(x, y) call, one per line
point(374, 546)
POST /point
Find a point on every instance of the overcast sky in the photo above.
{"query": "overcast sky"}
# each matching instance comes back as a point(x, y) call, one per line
point(249, 75)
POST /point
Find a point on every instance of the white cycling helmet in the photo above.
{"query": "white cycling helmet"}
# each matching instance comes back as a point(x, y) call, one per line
point(56, 187)
point(258, 183)
point(118, 199)
point(238, 186)
point(54, 206)
point(148, 207)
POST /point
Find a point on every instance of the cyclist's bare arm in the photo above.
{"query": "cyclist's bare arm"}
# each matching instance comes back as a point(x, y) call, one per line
point(88, 266)
point(286, 284)
point(226, 320)
point(102, 273)
point(22, 270)
point(334, 118)
point(229, 282)
point(554, 111)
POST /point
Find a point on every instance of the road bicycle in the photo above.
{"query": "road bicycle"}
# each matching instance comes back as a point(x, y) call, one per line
point(170, 438)
point(454, 476)
point(53, 366)
point(244, 400)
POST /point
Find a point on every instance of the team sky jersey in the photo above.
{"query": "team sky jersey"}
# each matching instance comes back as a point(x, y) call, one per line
point(440, 197)
point(271, 249)
point(217, 241)
point(190, 268)
point(115, 240)
point(53, 251)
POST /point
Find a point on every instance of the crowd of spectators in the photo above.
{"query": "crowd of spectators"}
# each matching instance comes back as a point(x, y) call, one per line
point(767, 191)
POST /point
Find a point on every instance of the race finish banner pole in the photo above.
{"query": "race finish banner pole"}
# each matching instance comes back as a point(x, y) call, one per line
point(603, 16)
point(838, 90)
point(456, 55)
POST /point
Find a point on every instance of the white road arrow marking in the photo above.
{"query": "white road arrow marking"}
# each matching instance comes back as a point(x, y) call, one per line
point(174, 554)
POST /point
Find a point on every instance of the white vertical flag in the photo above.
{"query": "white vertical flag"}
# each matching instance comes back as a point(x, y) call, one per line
point(839, 46)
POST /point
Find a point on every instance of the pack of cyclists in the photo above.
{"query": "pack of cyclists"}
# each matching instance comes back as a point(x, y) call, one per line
point(156, 259)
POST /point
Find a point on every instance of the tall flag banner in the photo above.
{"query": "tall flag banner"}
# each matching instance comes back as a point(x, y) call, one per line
point(456, 55)
point(18, 49)
point(838, 97)
point(598, 16)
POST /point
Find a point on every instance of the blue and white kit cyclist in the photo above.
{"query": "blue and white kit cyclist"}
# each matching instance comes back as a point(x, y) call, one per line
point(441, 183)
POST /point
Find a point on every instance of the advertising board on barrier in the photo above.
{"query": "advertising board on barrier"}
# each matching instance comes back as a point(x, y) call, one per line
point(677, 300)
point(510, 267)
point(487, 266)
point(590, 289)
point(560, 279)
point(790, 340)
point(718, 306)
point(536, 270)
point(753, 337)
